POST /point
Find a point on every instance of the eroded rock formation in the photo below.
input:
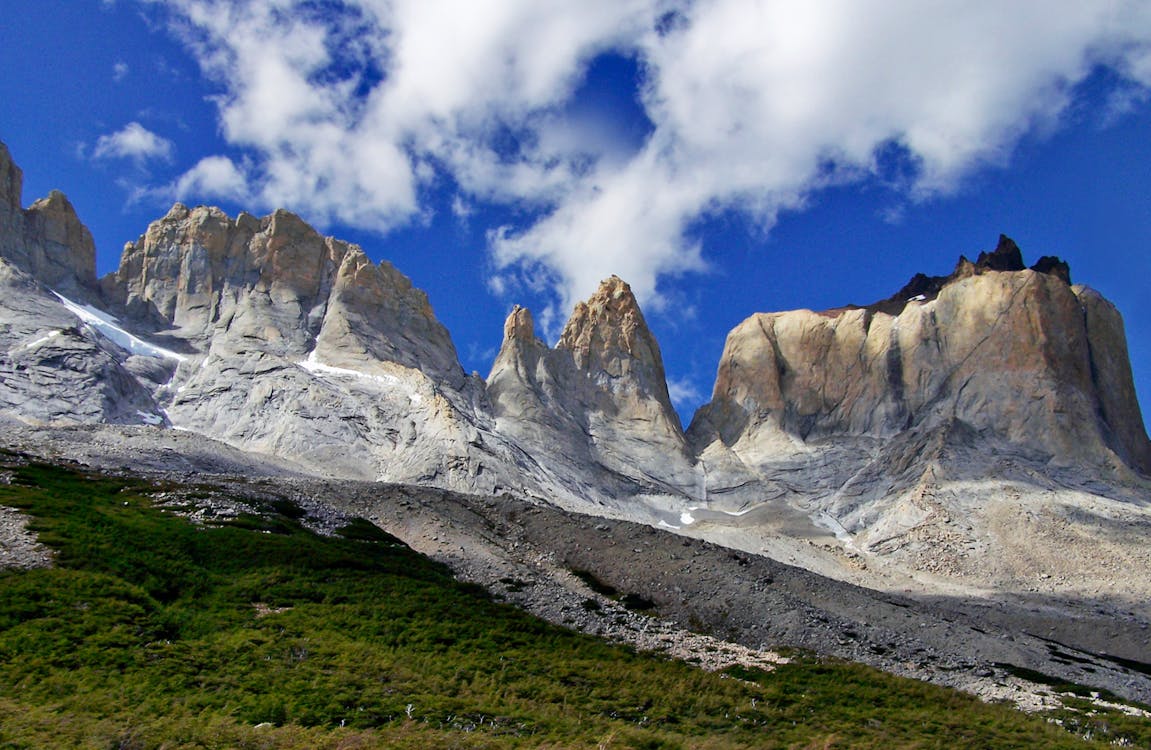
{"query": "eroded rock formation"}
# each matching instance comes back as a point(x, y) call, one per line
point(913, 431)
point(598, 400)
point(1008, 351)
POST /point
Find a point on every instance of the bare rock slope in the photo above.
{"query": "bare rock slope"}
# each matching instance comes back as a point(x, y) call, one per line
point(977, 433)
point(595, 409)
point(978, 429)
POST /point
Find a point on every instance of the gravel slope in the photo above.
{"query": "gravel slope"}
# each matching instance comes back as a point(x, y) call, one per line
point(746, 606)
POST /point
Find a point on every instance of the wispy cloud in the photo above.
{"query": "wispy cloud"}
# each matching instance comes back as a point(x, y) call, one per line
point(348, 111)
point(133, 142)
point(683, 393)
point(120, 71)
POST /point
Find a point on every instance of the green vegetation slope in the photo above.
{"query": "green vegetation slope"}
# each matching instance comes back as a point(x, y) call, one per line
point(154, 632)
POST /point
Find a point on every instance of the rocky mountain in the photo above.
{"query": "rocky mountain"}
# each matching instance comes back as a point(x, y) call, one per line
point(51, 372)
point(597, 400)
point(1015, 353)
point(969, 426)
point(263, 334)
point(968, 431)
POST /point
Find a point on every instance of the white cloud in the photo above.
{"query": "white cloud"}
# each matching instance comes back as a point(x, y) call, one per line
point(461, 210)
point(683, 392)
point(754, 104)
point(134, 142)
point(212, 177)
point(120, 71)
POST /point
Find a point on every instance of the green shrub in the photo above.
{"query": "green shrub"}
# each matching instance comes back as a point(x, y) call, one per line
point(153, 632)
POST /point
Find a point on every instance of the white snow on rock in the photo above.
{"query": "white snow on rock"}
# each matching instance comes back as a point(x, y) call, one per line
point(32, 345)
point(313, 365)
point(107, 326)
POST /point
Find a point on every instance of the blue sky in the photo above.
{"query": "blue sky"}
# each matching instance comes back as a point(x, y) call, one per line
point(723, 156)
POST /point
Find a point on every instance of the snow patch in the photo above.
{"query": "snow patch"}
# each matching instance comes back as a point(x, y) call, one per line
point(42, 340)
point(823, 520)
point(313, 365)
point(686, 518)
point(152, 419)
point(733, 513)
point(108, 328)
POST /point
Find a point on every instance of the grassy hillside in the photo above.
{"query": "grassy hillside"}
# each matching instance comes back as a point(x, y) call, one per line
point(153, 632)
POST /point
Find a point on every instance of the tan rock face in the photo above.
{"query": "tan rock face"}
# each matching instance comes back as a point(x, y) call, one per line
point(198, 269)
point(276, 280)
point(609, 340)
point(11, 182)
point(47, 240)
point(62, 250)
point(1018, 354)
point(598, 399)
point(1115, 386)
point(374, 313)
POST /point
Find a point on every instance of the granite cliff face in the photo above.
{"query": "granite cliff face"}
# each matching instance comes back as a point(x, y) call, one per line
point(51, 372)
point(597, 402)
point(1009, 352)
point(47, 240)
point(977, 426)
point(297, 345)
point(963, 427)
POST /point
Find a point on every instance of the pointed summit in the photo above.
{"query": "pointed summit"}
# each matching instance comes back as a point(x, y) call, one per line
point(598, 399)
point(67, 253)
point(1005, 257)
point(520, 325)
point(609, 340)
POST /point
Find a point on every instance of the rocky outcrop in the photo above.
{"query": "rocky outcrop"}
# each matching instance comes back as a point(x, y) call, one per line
point(893, 430)
point(11, 208)
point(597, 400)
point(1118, 418)
point(55, 370)
point(47, 240)
point(61, 251)
point(297, 345)
point(927, 432)
point(277, 284)
point(1006, 350)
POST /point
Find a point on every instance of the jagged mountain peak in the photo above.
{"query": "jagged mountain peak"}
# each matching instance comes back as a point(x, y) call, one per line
point(1014, 352)
point(276, 282)
point(596, 404)
point(1005, 258)
point(520, 325)
point(46, 240)
point(67, 257)
point(870, 425)
point(609, 338)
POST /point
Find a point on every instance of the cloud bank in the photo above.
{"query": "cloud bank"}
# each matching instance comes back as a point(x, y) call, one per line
point(355, 111)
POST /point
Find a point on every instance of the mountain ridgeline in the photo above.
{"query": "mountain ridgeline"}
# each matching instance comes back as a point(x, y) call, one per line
point(852, 423)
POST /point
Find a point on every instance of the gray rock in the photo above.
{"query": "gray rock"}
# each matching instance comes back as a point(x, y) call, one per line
point(975, 428)
point(597, 402)
point(54, 370)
